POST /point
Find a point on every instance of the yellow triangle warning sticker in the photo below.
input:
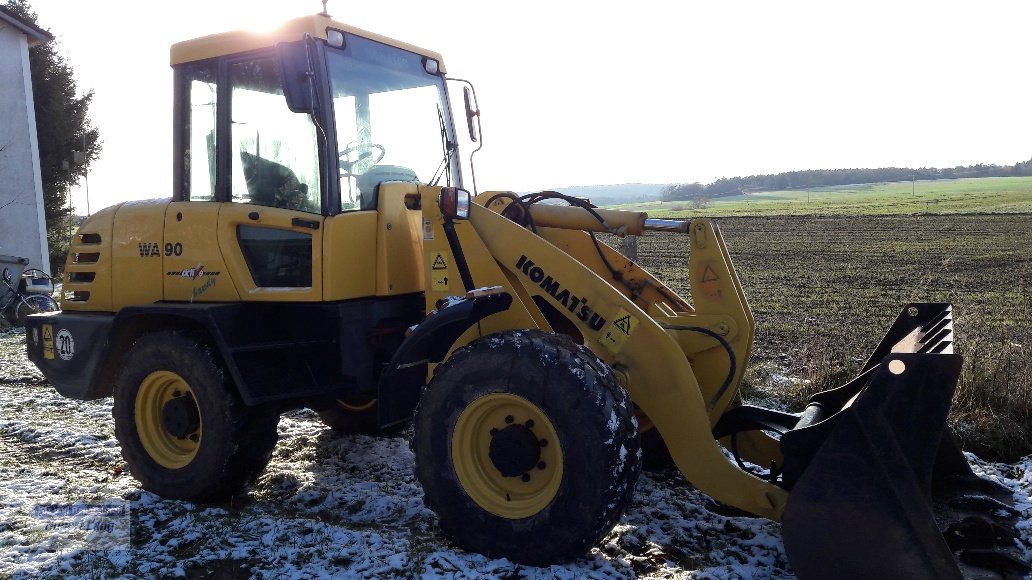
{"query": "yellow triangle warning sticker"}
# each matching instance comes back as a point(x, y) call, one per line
point(624, 324)
point(48, 342)
point(617, 335)
point(709, 275)
point(439, 263)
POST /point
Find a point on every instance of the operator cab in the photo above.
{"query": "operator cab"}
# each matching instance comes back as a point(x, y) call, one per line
point(293, 134)
point(309, 118)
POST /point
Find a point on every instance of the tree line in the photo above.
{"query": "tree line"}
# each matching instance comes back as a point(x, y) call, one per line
point(813, 178)
point(68, 142)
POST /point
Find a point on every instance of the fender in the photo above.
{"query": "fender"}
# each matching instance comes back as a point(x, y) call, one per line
point(272, 351)
point(401, 383)
point(99, 341)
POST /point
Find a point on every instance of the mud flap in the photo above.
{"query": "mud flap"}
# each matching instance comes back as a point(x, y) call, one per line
point(862, 507)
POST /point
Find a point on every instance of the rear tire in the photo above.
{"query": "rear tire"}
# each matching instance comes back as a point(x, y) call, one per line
point(526, 447)
point(183, 429)
point(354, 415)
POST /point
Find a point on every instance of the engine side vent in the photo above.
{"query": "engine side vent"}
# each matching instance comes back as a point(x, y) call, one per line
point(86, 257)
point(88, 270)
point(77, 296)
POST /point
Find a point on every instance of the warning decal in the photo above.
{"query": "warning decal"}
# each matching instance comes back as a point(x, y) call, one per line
point(709, 275)
point(710, 282)
point(440, 273)
point(48, 342)
point(619, 330)
point(624, 324)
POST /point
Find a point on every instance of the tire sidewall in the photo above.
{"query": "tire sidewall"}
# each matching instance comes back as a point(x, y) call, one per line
point(194, 363)
point(592, 419)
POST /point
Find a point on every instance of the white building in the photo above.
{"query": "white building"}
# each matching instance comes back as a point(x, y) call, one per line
point(23, 230)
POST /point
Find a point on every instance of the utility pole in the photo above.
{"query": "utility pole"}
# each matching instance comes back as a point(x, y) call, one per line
point(86, 175)
point(80, 158)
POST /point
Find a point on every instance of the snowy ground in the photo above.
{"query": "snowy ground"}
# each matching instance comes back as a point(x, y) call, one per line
point(327, 506)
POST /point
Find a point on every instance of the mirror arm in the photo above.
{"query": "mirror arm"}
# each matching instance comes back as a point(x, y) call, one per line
point(477, 138)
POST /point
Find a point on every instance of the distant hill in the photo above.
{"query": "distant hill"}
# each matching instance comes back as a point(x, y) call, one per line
point(818, 178)
point(616, 194)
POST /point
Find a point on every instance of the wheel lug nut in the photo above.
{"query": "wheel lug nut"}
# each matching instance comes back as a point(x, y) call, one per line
point(194, 437)
point(543, 442)
point(525, 477)
point(177, 394)
point(541, 465)
point(529, 423)
point(494, 432)
point(509, 419)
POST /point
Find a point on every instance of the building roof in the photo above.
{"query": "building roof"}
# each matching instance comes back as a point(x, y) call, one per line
point(35, 33)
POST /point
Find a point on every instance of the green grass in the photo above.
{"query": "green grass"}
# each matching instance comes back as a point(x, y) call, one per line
point(825, 289)
point(946, 196)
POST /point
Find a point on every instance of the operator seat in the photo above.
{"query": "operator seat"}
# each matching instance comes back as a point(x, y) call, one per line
point(272, 184)
point(369, 182)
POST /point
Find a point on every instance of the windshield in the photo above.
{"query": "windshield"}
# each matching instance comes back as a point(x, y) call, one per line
point(390, 124)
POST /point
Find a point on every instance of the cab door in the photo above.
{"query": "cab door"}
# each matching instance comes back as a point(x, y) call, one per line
point(272, 254)
point(271, 231)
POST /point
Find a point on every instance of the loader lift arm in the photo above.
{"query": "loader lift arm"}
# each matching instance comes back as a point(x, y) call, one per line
point(682, 365)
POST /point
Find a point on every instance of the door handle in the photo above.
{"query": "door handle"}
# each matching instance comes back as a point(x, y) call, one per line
point(303, 223)
point(253, 216)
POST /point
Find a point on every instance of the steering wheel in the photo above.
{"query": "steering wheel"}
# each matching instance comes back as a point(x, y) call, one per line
point(353, 167)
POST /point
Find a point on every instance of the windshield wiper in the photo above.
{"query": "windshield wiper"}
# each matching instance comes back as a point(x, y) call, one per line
point(443, 168)
point(449, 148)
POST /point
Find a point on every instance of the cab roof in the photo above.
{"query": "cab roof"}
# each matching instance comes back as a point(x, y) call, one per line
point(242, 40)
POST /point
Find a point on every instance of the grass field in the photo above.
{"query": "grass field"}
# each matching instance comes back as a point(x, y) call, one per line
point(974, 195)
point(825, 289)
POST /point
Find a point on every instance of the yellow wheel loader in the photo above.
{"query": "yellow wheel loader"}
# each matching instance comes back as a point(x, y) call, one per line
point(319, 249)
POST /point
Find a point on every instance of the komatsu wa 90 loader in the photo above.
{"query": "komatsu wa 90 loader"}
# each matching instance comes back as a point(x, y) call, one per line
point(320, 249)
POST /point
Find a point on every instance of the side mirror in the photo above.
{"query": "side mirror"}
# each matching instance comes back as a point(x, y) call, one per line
point(471, 113)
point(7, 275)
point(454, 203)
point(297, 75)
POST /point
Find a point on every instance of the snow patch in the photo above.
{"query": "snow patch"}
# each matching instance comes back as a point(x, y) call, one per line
point(332, 505)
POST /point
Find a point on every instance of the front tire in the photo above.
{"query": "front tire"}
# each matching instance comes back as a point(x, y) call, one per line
point(183, 429)
point(526, 447)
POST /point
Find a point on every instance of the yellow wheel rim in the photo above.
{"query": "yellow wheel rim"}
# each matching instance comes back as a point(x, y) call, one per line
point(171, 444)
point(507, 455)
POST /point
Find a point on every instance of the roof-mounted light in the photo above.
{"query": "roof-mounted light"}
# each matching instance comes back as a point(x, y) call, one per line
point(334, 37)
point(431, 65)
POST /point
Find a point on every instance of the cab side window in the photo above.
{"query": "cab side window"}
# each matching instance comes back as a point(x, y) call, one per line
point(199, 155)
point(274, 152)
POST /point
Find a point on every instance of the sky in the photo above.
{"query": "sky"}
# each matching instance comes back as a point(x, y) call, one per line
point(592, 93)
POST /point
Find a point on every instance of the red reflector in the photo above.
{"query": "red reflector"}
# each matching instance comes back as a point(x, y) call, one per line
point(449, 201)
